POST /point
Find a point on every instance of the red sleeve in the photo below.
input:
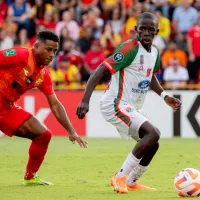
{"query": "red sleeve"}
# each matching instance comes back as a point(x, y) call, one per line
point(190, 33)
point(46, 87)
point(13, 57)
point(86, 59)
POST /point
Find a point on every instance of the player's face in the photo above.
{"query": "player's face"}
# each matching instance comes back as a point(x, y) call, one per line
point(45, 51)
point(146, 30)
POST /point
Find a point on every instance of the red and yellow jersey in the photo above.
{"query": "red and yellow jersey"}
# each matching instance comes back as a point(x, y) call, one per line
point(19, 73)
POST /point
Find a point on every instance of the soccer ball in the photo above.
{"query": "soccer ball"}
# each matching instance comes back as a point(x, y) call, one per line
point(187, 183)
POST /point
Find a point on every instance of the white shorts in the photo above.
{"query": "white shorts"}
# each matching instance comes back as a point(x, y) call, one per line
point(126, 119)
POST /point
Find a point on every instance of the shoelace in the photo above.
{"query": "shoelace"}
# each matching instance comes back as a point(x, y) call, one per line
point(121, 181)
point(36, 177)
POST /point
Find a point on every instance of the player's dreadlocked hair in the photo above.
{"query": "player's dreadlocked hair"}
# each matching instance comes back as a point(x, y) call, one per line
point(47, 35)
point(147, 15)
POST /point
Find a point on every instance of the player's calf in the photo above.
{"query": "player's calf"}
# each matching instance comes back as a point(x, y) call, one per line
point(37, 153)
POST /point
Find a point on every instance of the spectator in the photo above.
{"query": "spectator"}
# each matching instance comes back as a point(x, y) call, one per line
point(108, 6)
point(175, 75)
point(193, 41)
point(56, 10)
point(22, 14)
point(173, 52)
point(71, 25)
point(64, 36)
point(184, 18)
point(117, 22)
point(93, 58)
point(162, 5)
point(67, 74)
point(66, 5)
point(47, 22)
point(82, 7)
point(164, 26)
point(3, 10)
point(92, 20)
point(126, 4)
point(40, 8)
point(10, 27)
point(70, 53)
point(109, 40)
point(132, 20)
point(6, 42)
point(99, 23)
point(84, 43)
point(22, 39)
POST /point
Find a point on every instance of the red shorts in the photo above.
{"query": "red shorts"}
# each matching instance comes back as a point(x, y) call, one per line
point(12, 120)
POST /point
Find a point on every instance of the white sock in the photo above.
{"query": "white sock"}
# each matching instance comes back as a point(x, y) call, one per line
point(135, 174)
point(130, 162)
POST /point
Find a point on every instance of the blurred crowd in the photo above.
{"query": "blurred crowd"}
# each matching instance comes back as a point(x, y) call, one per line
point(90, 30)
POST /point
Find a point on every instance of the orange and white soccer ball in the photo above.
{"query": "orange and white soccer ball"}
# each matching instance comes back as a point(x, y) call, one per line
point(187, 183)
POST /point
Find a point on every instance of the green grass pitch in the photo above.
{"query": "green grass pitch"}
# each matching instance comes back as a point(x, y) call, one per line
point(84, 174)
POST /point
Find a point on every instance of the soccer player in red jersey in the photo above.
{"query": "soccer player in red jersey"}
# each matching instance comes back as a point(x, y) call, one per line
point(22, 69)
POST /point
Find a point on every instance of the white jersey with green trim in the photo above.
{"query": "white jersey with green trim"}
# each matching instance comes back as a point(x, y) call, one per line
point(132, 68)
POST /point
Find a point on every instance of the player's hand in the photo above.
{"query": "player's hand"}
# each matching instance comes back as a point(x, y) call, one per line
point(82, 110)
point(74, 137)
point(173, 102)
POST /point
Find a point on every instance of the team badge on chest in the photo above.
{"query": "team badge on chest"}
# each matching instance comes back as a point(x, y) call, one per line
point(148, 72)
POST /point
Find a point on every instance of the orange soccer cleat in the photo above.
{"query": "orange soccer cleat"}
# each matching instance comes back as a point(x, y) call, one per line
point(119, 184)
point(138, 186)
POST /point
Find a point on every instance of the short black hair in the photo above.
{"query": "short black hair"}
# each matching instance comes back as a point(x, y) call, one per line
point(48, 35)
point(147, 15)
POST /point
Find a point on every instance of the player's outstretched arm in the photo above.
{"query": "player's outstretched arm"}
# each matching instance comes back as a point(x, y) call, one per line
point(171, 101)
point(94, 79)
point(61, 116)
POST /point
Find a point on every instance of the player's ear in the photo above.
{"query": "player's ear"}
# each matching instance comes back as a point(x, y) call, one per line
point(36, 45)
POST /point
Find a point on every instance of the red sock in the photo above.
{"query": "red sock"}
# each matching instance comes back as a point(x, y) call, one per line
point(37, 153)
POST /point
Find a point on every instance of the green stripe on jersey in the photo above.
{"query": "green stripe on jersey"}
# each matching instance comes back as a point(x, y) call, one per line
point(157, 64)
point(121, 115)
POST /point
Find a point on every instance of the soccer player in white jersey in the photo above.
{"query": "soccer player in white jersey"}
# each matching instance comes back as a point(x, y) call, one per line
point(133, 67)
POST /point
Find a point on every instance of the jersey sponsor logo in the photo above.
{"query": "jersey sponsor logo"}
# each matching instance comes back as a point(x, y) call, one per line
point(144, 84)
point(139, 91)
point(10, 52)
point(148, 72)
point(118, 57)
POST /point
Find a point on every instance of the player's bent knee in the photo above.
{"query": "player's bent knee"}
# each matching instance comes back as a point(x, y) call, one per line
point(44, 138)
point(156, 146)
point(154, 136)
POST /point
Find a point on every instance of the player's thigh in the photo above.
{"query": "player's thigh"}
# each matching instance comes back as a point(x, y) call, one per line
point(12, 119)
point(31, 128)
point(127, 120)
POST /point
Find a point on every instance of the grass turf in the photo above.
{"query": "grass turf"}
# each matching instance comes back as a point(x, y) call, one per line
point(84, 174)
